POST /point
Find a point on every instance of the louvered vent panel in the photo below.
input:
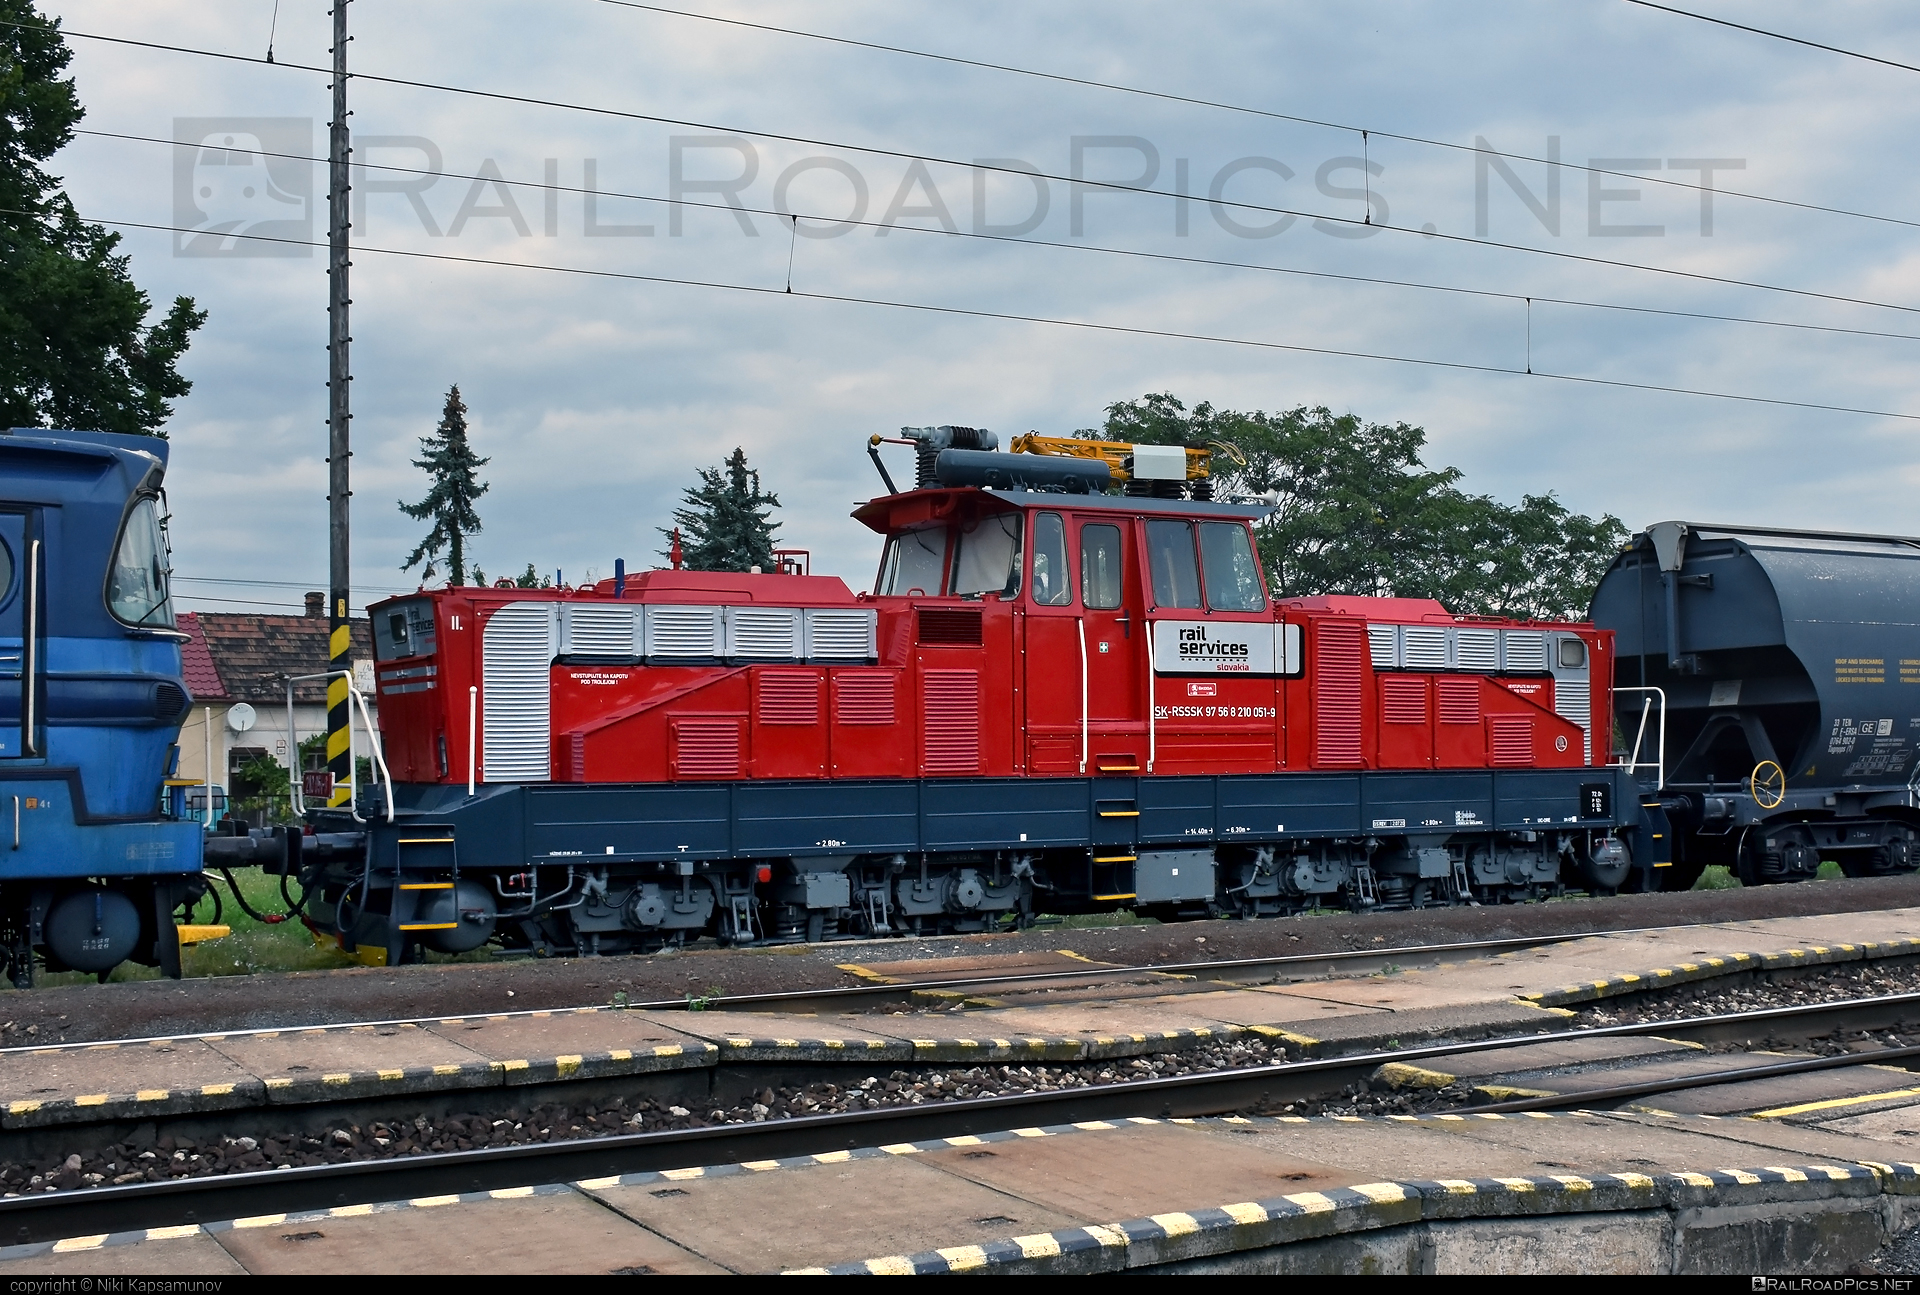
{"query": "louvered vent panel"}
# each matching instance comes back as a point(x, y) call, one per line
point(516, 693)
point(706, 748)
point(863, 698)
point(763, 633)
point(1403, 699)
point(601, 632)
point(1424, 647)
point(951, 718)
point(1526, 651)
point(1336, 693)
point(949, 626)
point(836, 635)
point(789, 697)
point(1477, 650)
point(1459, 700)
point(1511, 738)
point(692, 632)
point(1383, 641)
point(1573, 702)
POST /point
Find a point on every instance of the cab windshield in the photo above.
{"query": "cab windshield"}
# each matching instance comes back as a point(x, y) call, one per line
point(137, 582)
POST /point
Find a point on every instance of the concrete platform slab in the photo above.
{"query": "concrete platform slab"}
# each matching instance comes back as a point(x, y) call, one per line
point(366, 1061)
point(1898, 1125)
point(531, 1233)
point(1537, 1060)
point(1126, 1028)
point(1030, 962)
point(194, 1255)
point(121, 1081)
point(545, 1046)
point(1142, 1167)
point(822, 1214)
point(1785, 1095)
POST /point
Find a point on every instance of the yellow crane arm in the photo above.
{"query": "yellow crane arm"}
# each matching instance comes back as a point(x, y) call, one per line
point(1117, 455)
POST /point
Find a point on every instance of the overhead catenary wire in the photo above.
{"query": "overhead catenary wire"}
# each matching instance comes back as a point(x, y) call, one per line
point(1056, 244)
point(501, 96)
point(1045, 320)
point(1774, 35)
point(1297, 119)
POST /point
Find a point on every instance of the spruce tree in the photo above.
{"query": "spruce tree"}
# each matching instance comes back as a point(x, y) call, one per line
point(725, 524)
point(454, 470)
point(73, 351)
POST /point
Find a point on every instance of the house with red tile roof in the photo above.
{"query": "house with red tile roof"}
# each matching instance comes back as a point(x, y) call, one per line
point(236, 658)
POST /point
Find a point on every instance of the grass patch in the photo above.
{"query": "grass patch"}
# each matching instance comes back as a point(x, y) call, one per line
point(1084, 921)
point(1715, 877)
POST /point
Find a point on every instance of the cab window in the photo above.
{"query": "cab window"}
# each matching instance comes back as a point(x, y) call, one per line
point(987, 557)
point(1176, 573)
point(1052, 582)
point(1100, 569)
point(1233, 577)
point(137, 581)
point(916, 561)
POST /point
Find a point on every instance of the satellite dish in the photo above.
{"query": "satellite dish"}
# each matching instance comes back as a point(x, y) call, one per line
point(241, 717)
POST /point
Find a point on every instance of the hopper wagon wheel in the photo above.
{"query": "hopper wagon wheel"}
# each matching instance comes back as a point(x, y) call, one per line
point(1768, 783)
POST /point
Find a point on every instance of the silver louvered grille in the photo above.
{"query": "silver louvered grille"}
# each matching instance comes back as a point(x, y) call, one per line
point(834, 635)
point(1383, 644)
point(1573, 702)
point(1478, 650)
point(1526, 650)
point(601, 632)
point(516, 679)
point(1424, 647)
point(763, 633)
point(683, 631)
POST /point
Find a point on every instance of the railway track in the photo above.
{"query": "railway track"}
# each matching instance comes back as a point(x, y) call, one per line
point(53, 1215)
point(1304, 966)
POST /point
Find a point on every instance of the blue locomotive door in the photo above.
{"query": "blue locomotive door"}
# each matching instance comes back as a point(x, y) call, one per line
point(17, 710)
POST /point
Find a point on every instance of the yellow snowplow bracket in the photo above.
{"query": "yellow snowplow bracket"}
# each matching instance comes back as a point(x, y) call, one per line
point(201, 934)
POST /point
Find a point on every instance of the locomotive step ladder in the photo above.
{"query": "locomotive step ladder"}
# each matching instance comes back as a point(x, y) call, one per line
point(420, 869)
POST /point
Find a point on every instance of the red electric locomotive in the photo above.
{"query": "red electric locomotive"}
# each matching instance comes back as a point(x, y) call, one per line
point(1055, 699)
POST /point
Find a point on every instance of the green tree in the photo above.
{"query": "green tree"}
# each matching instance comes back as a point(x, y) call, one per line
point(454, 470)
point(725, 525)
point(1358, 511)
point(73, 349)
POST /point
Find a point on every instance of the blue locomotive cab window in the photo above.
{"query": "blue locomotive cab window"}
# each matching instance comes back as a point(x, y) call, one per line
point(1233, 577)
point(137, 584)
point(1176, 574)
point(1100, 568)
point(1052, 582)
point(6, 572)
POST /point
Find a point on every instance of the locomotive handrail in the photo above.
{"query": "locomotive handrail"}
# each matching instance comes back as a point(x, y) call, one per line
point(298, 793)
point(1633, 763)
point(30, 658)
point(1152, 684)
point(1080, 622)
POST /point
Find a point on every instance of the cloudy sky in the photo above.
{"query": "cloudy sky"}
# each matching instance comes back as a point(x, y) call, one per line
point(598, 396)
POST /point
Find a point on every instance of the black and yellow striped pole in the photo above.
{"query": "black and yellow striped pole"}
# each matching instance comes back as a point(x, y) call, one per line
point(340, 636)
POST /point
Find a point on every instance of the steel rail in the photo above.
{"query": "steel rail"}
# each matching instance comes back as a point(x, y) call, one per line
point(1653, 1087)
point(843, 993)
point(91, 1211)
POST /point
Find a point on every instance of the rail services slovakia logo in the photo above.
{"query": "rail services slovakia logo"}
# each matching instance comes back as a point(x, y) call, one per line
point(239, 183)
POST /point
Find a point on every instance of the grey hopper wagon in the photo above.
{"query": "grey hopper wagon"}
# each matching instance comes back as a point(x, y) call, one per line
point(1768, 693)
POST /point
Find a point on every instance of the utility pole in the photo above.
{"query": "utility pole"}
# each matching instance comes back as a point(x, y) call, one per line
point(339, 379)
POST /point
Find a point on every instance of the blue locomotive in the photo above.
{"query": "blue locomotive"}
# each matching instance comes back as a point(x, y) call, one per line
point(94, 861)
